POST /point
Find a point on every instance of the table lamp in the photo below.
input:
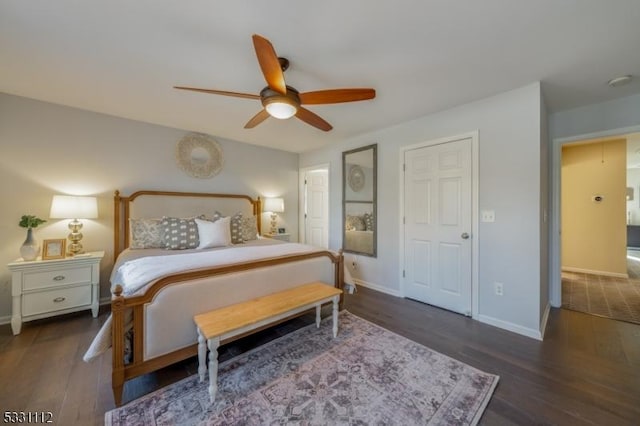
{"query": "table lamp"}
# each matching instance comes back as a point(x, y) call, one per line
point(73, 207)
point(274, 206)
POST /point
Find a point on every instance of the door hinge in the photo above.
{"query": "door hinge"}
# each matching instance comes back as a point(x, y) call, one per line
point(305, 181)
point(403, 274)
point(404, 220)
point(404, 167)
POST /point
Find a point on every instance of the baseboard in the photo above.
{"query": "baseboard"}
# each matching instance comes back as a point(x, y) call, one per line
point(544, 320)
point(5, 319)
point(593, 272)
point(377, 287)
point(509, 326)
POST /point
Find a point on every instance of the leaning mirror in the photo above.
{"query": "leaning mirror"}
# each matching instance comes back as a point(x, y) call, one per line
point(359, 189)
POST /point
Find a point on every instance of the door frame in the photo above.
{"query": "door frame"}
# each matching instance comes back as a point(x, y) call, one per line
point(302, 198)
point(475, 180)
point(555, 270)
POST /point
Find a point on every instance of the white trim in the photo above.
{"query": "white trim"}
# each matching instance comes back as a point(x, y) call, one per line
point(544, 320)
point(555, 282)
point(301, 198)
point(475, 185)
point(377, 287)
point(509, 326)
point(594, 272)
point(105, 300)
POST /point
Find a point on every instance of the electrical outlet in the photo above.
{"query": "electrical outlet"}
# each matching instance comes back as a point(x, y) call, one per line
point(354, 265)
point(488, 216)
point(498, 288)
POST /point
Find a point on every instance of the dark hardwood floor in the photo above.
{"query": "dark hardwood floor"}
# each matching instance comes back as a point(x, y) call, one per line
point(587, 370)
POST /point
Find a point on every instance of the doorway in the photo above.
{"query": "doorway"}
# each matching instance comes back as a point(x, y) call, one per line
point(314, 206)
point(599, 266)
point(439, 241)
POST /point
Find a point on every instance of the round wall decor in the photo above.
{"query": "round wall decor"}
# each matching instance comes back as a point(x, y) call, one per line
point(199, 155)
point(356, 178)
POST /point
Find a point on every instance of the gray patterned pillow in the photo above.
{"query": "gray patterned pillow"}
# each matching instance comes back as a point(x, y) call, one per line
point(180, 233)
point(368, 221)
point(145, 233)
point(354, 223)
point(236, 232)
point(249, 228)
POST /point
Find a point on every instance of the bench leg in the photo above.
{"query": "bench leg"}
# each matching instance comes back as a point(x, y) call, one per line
point(202, 356)
point(213, 367)
point(336, 299)
point(318, 316)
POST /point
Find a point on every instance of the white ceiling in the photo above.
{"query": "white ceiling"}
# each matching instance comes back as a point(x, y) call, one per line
point(122, 57)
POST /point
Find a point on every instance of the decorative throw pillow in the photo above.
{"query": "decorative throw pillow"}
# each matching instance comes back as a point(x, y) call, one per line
point(145, 233)
point(236, 219)
point(354, 223)
point(213, 234)
point(249, 228)
point(180, 233)
point(368, 221)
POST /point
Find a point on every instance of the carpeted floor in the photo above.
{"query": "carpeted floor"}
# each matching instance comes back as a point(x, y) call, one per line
point(367, 375)
point(617, 298)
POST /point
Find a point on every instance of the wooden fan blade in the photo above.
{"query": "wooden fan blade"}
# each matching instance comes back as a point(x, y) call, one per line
point(336, 96)
point(219, 92)
point(257, 119)
point(269, 64)
point(313, 119)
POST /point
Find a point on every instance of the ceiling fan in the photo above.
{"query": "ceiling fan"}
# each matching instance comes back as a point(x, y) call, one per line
point(283, 101)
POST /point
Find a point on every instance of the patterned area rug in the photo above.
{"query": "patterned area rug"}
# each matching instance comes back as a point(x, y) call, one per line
point(611, 297)
point(367, 375)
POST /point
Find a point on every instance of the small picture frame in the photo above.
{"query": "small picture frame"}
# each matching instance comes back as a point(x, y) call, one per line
point(54, 249)
point(281, 231)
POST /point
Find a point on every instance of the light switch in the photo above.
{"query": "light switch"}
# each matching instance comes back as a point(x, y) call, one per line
point(488, 216)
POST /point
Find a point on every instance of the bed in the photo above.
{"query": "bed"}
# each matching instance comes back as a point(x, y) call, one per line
point(155, 315)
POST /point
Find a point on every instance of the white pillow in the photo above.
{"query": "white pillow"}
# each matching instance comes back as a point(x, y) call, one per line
point(214, 234)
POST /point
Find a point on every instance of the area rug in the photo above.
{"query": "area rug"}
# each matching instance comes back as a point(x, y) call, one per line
point(611, 297)
point(367, 375)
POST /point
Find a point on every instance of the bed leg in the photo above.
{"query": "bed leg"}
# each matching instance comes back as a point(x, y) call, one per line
point(117, 392)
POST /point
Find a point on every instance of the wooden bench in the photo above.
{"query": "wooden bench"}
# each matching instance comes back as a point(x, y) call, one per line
point(241, 318)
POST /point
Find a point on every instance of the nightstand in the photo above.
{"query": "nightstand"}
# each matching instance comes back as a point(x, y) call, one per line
point(45, 288)
point(281, 237)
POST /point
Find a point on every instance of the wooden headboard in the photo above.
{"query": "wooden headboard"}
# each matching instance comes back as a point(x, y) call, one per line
point(171, 203)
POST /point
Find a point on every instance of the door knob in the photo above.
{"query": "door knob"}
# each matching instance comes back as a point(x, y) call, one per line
point(465, 236)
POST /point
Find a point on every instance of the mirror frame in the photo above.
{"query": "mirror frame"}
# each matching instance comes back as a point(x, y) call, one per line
point(374, 201)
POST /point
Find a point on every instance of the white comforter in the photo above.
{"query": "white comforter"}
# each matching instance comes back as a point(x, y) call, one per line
point(136, 272)
point(134, 275)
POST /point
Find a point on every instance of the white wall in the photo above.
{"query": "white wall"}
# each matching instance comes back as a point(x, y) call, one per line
point(48, 149)
point(545, 202)
point(510, 150)
point(633, 206)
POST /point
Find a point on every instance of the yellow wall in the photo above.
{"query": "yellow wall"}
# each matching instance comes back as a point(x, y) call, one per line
point(594, 235)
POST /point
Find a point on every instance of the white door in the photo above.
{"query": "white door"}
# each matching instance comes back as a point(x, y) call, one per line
point(437, 230)
point(316, 209)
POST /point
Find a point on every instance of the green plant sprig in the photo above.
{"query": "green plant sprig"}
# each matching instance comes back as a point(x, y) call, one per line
point(30, 221)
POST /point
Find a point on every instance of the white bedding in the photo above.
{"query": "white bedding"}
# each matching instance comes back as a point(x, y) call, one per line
point(136, 270)
point(134, 274)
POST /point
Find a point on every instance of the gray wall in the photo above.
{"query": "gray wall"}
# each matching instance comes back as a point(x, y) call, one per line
point(48, 149)
point(545, 203)
point(509, 126)
point(616, 114)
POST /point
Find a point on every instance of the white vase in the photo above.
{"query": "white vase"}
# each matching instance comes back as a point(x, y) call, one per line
point(30, 248)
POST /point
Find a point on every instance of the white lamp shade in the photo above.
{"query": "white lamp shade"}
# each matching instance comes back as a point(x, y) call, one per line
point(274, 205)
point(281, 110)
point(72, 207)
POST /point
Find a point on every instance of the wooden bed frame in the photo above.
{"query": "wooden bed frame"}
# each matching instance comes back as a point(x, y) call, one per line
point(120, 304)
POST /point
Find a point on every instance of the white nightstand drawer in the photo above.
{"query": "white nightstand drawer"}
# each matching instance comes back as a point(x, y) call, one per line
point(55, 300)
point(57, 277)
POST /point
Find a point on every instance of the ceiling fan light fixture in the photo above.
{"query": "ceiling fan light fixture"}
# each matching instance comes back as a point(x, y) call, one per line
point(281, 108)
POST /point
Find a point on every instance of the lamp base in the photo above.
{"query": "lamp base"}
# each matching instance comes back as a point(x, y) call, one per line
point(75, 247)
point(274, 224)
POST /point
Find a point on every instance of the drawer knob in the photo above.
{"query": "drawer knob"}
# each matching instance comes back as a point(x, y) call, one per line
point(58, 278)
point(59, 299)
